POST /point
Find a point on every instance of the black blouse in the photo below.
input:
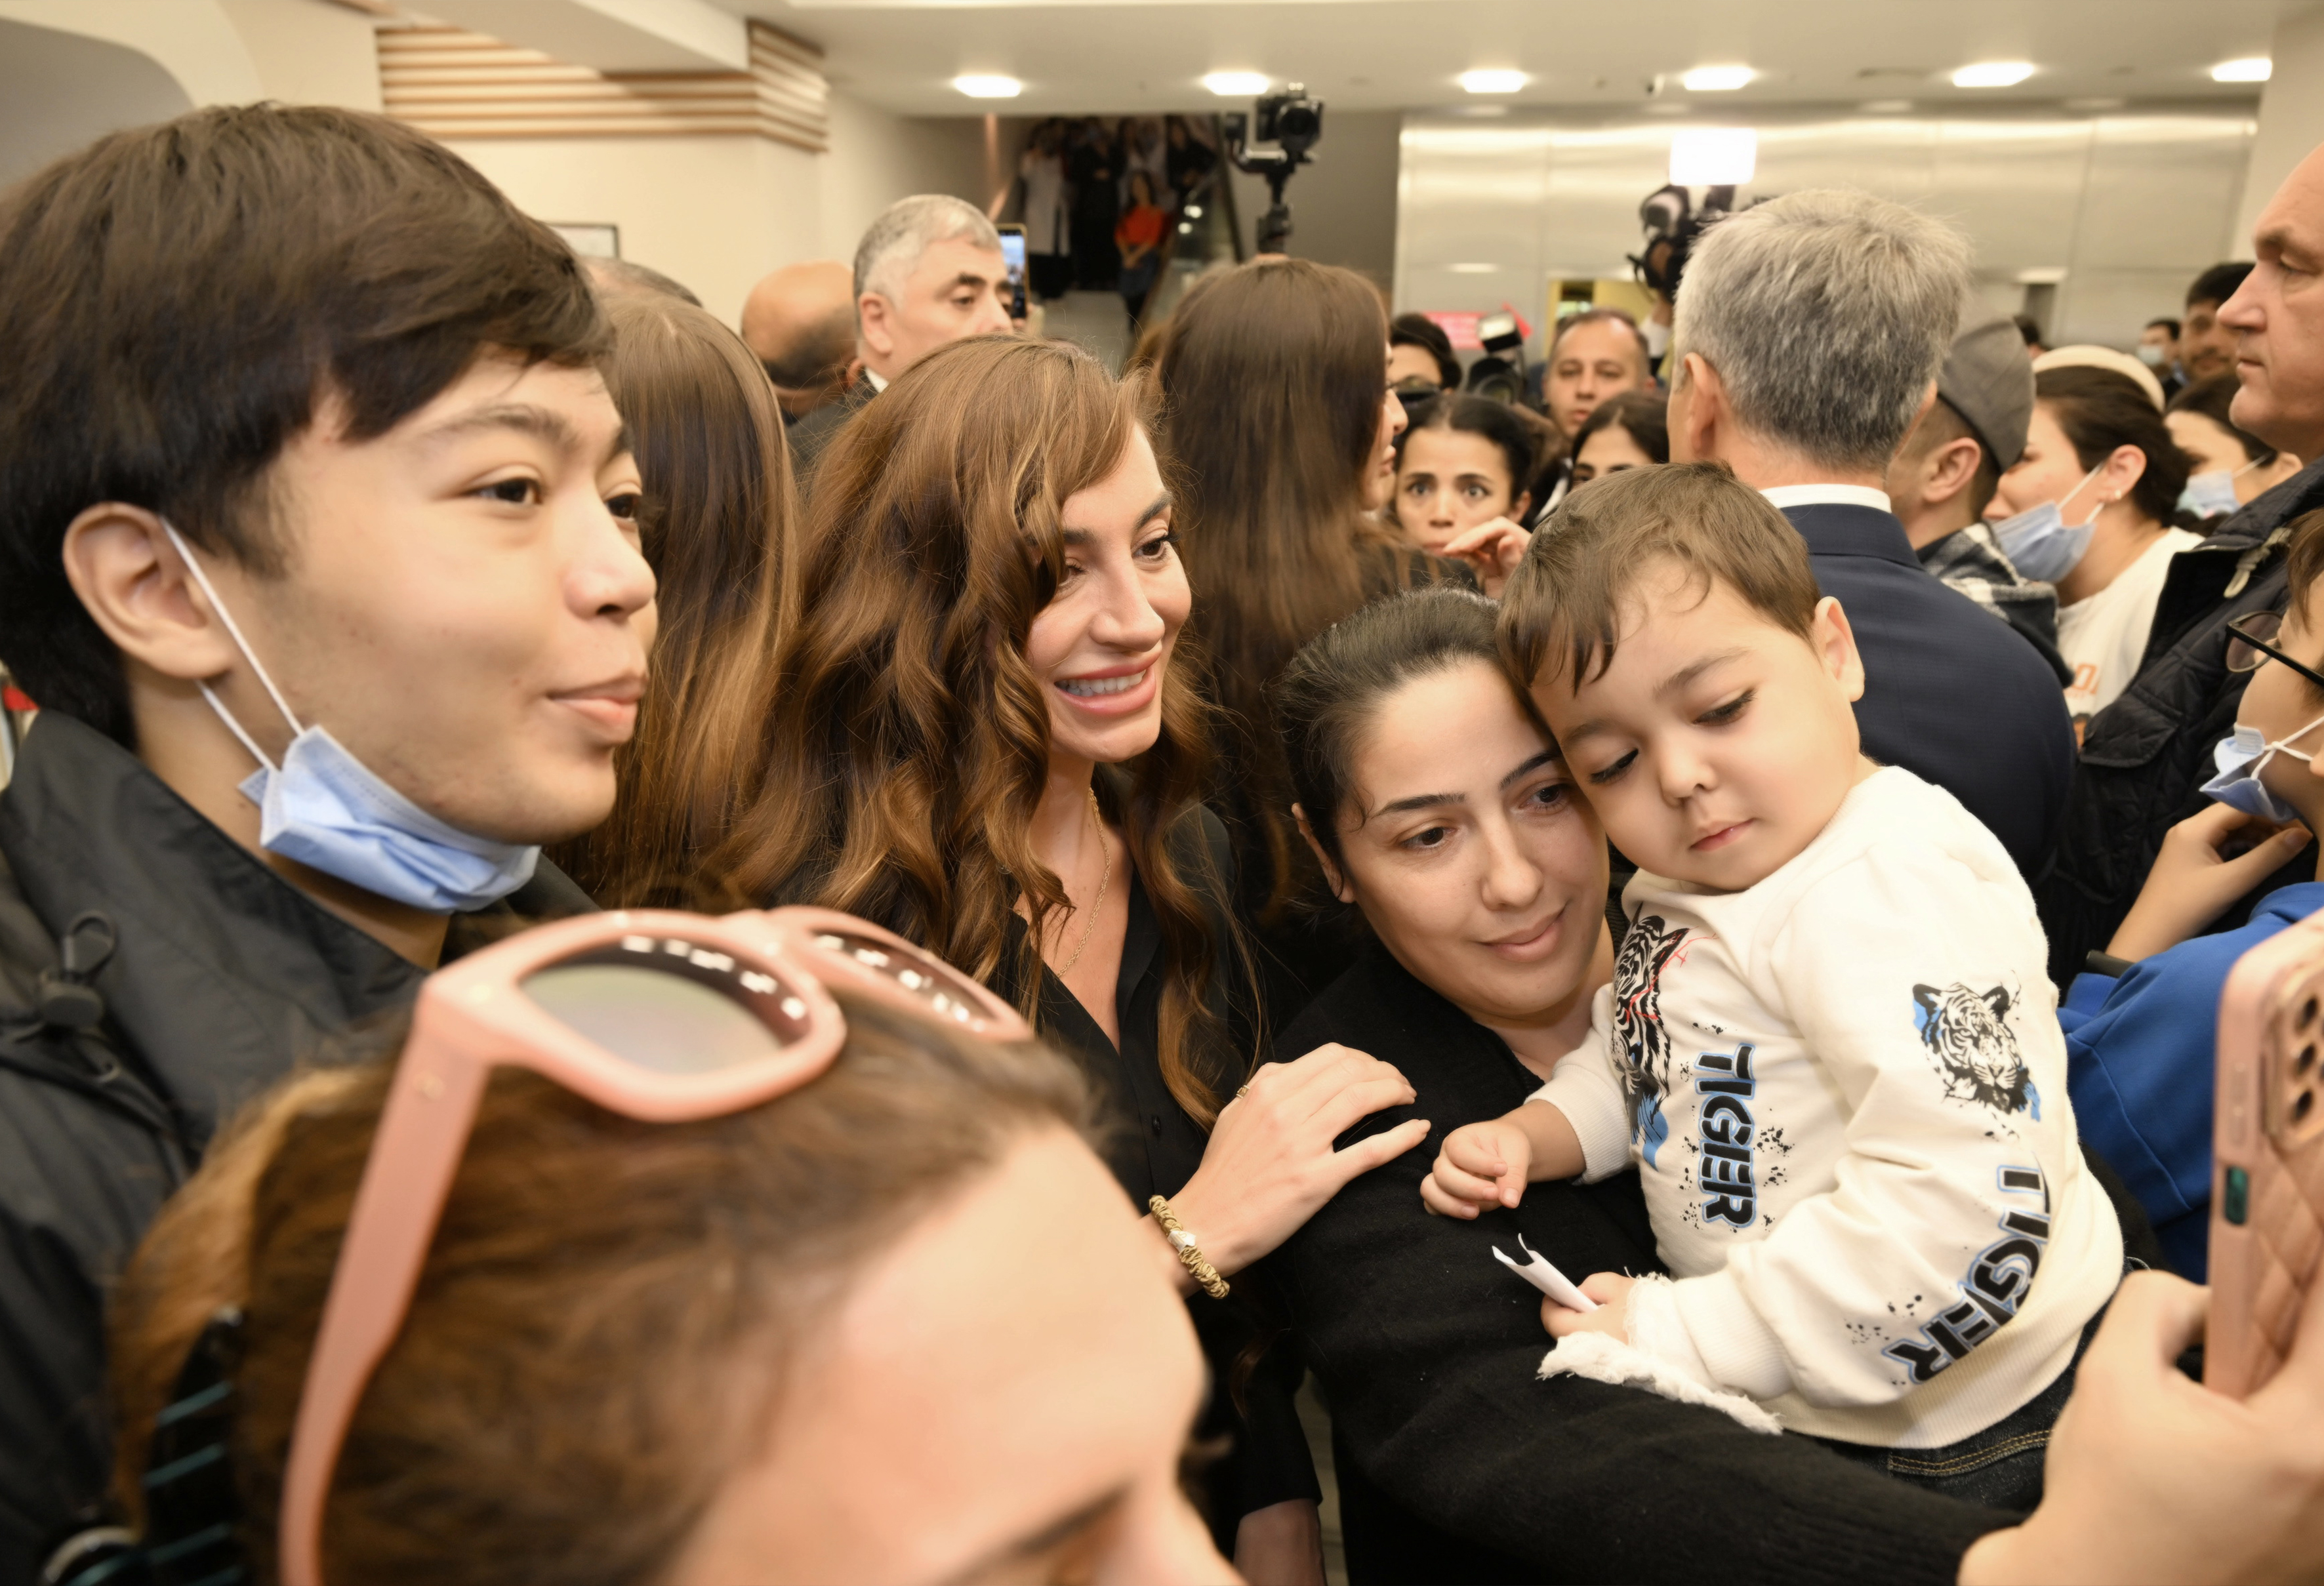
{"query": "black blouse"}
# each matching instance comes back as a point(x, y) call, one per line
point(1153, 1146)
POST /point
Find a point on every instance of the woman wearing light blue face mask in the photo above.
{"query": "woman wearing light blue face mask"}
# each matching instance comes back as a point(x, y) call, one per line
point(2232, 465)
point(2087, 509)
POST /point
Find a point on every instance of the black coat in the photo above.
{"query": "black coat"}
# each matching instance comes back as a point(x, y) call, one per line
point(1951, 694)
point(1466, 1467)
point(2146, 756)
point(225, 975)
point(814, 431)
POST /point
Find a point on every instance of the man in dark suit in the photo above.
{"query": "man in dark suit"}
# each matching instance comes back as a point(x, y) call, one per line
point(927, 272)
point(1809, 331)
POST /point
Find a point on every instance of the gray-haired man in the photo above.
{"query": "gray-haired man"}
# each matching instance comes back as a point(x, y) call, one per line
point(1809, 331)
point(927, 272)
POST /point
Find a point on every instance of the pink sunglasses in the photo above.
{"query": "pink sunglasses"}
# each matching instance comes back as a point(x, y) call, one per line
point(659, 1016)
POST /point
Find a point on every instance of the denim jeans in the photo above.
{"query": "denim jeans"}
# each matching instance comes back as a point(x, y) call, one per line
point(1999, 1467)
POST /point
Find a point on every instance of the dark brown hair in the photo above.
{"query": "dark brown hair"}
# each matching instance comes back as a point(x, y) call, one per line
point(1497, 422)
point(903, 741)
point(606, 1310)
point(2214, 399)
point(2100, 409)
point(1642, 415)
point(716, 521)
point(2304, 561)
point(1329, 696)
point(1273, 374)
point(176, 299)
point(1562, 609)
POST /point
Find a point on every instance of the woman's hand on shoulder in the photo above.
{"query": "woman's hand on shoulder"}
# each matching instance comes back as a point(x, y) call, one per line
point(1271, 1164)
point(2195, 878)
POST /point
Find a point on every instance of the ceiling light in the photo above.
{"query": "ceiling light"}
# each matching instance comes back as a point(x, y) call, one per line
point(1993, 74)
point(981, 86)
point(1886, 106)
point(2252, 69)
point(1473, 269)
point(1236, 85)
point(1713, 156)
point(1492, 81)
point(1716, 80)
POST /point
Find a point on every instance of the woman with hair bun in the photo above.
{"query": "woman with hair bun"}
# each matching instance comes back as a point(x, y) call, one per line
point(983, 732)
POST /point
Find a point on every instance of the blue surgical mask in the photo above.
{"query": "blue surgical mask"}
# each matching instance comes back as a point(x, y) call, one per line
point(2038, 541)
point(2213, 495)
point(323, 807)
point(2241, 758)
point(2150, 355)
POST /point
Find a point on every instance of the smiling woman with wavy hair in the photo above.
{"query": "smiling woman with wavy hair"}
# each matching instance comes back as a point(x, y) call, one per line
point(983, 731)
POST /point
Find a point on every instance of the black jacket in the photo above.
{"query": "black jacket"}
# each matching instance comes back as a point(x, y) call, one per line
point(1951, 694)
point(225, 975)
point(1469, 1468)
point(813, 432)
point(2146, 756)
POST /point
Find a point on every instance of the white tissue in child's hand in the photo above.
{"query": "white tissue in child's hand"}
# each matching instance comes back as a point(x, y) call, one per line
point(1538, 1271)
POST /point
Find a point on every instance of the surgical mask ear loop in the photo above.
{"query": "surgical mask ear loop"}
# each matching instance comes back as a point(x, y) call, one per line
point(234, 630)
point(2061, 505)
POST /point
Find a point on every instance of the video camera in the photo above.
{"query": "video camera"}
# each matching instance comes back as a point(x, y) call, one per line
point(1499, 374)
point(1673, 225)
point(1294, 124)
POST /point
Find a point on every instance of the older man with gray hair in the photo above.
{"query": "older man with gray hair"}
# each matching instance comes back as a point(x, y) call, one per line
point(1809, 333)
point(929, 272)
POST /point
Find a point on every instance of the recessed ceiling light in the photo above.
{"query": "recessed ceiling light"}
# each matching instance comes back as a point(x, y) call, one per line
point(2251, 69)
point(1993, 74)
point(985, 86)
point(1885, 106)
point(1716, 80)
point(1492, 80)
point(1713, 156)
point(1236, 85)
point(1473, 269)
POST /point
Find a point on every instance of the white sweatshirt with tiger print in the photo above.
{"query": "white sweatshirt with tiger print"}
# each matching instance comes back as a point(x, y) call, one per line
point(1845, 1090)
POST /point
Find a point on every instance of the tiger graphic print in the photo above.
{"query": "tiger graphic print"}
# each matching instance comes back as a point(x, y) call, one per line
point(1647, 948)
point(1976, 1054)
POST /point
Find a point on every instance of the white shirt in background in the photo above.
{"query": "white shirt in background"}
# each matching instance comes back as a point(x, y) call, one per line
point(2104, 636)
point(1845, 1090)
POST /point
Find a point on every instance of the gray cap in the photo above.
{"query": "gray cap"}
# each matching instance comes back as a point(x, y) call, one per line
point(1989, 381)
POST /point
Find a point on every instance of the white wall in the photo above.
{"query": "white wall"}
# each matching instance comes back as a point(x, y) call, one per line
point(2290, 117)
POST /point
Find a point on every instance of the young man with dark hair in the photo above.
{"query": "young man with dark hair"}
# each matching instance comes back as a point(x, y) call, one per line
point(1944, 478)
point(2206, 347)
point(318, 550)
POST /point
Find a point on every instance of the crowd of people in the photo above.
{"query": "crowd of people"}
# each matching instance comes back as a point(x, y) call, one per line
point(1100, 202)
point(845, 953)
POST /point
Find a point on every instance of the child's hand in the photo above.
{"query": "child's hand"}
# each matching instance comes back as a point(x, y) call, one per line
point(1611, 1290)
point(1493, 549)
point(1481, 1165)
point(2195, 877)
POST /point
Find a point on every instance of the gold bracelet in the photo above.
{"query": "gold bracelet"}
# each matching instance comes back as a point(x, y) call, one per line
point(1190, 1256)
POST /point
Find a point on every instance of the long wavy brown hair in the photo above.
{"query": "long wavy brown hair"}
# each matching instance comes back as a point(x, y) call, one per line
point(716, 516)
point(1272, 376)
point(904, 741)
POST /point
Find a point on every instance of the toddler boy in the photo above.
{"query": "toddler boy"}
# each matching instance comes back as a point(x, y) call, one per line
point(1830, 1044)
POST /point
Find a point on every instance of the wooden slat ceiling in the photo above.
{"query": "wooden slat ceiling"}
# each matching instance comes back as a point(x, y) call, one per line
point(454, 84)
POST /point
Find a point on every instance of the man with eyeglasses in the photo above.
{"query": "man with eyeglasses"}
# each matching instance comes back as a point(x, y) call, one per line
point(2146, 756)
point(2140, 1027)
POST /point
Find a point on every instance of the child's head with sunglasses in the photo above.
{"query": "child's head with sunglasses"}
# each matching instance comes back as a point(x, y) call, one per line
point(897, 1322)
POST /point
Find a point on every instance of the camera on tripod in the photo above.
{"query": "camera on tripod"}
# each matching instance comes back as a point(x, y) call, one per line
point(1500, 375)
point(1294, 124)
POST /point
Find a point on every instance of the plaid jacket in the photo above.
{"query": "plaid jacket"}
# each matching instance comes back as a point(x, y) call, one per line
point(1971, 561)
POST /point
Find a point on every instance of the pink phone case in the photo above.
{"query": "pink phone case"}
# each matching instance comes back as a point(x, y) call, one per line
point(2267, 1170)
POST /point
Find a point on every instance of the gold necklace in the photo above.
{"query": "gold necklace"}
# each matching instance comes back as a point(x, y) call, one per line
point(1105, 879)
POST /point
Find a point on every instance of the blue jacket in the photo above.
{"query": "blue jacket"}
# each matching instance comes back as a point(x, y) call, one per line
point(1954, 696)
point(2139, 1067)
